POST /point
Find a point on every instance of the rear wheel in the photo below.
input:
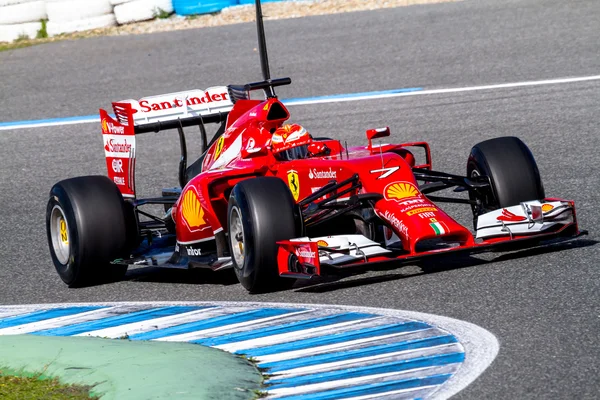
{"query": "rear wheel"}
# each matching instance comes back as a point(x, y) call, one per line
point(260, 213)
point(512, 170)
point(88, 225)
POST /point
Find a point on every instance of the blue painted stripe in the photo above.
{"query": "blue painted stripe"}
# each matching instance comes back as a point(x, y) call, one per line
point(42, 315)
point(286, 328)
point(96, 118)
point(335, 338)
point(347, 96)
point(371, 389)
point(214, 322)
point(277, 366)
point(83, 118)
point(117, 320)
point(372, 369)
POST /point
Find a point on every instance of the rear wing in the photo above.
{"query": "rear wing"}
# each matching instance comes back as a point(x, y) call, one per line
point(154, 114)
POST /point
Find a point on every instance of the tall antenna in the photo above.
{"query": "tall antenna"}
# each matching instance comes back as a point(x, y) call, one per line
point(262, 48)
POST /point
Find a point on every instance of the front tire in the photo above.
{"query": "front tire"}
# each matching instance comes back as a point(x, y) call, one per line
point(260, 213)
point(512, 171)
point(88, 225)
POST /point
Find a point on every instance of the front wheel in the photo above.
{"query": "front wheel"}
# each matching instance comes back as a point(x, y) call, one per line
point(260, 213)
point(512, 171)
point(88, 225)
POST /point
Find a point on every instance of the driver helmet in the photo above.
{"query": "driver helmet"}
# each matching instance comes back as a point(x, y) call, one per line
point(290, 142)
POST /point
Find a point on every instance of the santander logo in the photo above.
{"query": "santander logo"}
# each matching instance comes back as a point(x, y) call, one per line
point(148, 105)
point(316, 174)
point(305, 253)
point(115, 147)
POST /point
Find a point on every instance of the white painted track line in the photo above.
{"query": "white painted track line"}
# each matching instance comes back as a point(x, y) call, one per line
point(5, 126)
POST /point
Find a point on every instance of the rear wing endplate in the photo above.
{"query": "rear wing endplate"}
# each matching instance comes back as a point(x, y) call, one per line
point(154, 114)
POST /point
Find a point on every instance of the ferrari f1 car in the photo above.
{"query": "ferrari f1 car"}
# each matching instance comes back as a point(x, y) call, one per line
point(277, 204)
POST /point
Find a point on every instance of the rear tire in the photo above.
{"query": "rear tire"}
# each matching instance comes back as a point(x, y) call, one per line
point(88, 225)
point(260, 213)
point(512, 170)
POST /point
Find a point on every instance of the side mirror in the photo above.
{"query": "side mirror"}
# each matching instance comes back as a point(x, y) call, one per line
point(318, 149)
point(252, 152)
point(376, 134)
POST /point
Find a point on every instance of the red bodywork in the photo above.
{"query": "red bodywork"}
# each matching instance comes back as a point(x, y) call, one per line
point(243, 152)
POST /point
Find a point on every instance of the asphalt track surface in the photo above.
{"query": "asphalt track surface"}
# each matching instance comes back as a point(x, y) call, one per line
point(543, 305)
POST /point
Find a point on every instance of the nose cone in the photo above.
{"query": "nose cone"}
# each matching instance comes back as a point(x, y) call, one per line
point(419, 225)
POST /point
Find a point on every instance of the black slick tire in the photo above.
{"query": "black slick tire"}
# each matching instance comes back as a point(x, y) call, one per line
point(260, 213)
point(95, 226)
point(512, 171)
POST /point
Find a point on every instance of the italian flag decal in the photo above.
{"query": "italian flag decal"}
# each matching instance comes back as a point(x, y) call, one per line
point(438, 227)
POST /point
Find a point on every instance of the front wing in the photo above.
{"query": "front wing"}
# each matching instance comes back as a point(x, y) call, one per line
point(526, 225)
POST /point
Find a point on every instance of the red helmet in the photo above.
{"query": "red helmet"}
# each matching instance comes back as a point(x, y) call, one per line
point(290, 141)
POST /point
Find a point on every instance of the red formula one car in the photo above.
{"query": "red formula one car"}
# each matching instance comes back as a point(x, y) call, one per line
point(274, 202)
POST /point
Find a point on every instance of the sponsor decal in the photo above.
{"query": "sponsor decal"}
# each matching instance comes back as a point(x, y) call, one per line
point(219, 147)
point(108, 127)
point(439, 228)
point(191, 209)
point(320, 174)
point(385, 172)
point(508, 216)
point(119, 180)
point(401, 190)
point(116, 146)
point(396, 223)
point(421, 210)
point(304, 253)
point(193, 252)
point(412, 204)
point(322, 243)
point(147, 106)
point(417, 201)
point(547, 207)
point(117, 165)
point(266, 107)
point(426, 215)
point(294, 183)
point(64, 236)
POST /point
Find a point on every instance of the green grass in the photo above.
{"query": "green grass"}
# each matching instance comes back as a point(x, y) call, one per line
point(25, 386)
point(161, 14)
point(42, 33)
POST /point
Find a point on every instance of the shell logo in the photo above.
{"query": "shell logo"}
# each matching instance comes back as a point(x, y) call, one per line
point(401, 190)
point(104, 126)
point(322, 243)
point(192, 210)
point(547, 207)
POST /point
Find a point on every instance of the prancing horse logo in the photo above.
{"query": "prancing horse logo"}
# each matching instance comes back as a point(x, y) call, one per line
point(294, 183)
